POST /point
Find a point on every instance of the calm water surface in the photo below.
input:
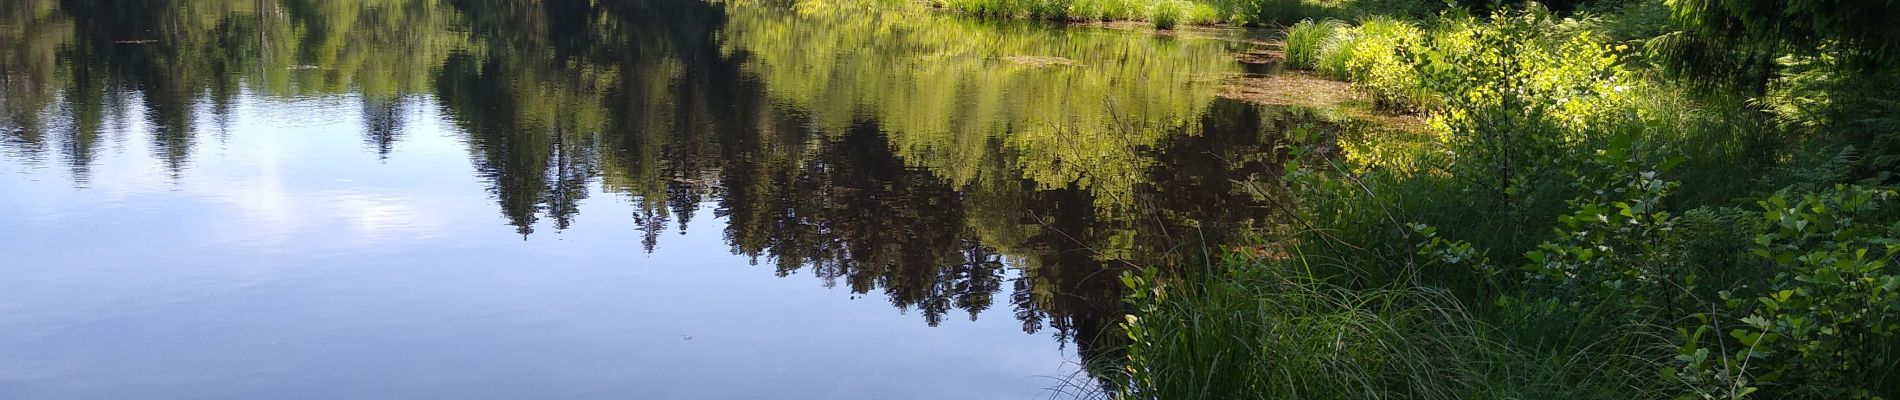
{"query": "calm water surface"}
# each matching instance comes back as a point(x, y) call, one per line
point(640, 198)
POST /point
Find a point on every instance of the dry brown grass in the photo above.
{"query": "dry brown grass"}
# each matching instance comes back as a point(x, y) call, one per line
point(1304, 89)
point(1289, 88)
point(1039, 61)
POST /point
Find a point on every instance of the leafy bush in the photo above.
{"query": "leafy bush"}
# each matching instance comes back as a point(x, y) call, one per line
point(1615, 257)
point(1378, 60)
point(1516, 93)
point(1373, 55)
point(1828, 323)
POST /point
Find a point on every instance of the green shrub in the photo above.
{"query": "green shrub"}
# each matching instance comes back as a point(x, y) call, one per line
point(1372, 54)
point(1517, 94)
point(1378, 60)
point(1828, 325)
point(1615, 261)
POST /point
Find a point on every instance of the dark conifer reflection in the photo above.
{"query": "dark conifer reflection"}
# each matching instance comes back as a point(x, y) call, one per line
point(653, 102)
point(382, 123)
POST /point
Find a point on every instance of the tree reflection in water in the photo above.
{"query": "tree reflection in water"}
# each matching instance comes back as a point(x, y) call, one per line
point(881, 149)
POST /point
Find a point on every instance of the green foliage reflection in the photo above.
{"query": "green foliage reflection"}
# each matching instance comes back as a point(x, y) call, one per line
point(1074, 106)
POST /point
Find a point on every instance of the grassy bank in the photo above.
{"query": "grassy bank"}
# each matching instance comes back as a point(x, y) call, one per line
point(1609, 202)
point(1166, 14)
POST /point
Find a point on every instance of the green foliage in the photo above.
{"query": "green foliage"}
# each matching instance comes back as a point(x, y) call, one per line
point(1813, 96)
point(1355, 53)
point(1050, 9)
point(1057, 104)
point(1202, 14)
point(1584, 205)
point(1262, 328)
point(1332, 60)
point(1114, 10)
point(1046, 9)
point(1828, 323)
point(1104, 10)
point(1305, 39)
point(1632, 20)
point(1259, 13)
point(1403, 66)
point(1617, 262)
point(1515, 93)
point(1823, 321)
point(1707, 372)
point(1618, 253)
point(1376, 59)
point(1860, 32)
point(1166, 13)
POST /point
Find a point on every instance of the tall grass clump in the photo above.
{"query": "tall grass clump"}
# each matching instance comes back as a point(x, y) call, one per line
point(1106, 10)
point(1165, 14)
point(1051, 9)
point(1095, 10)
point(990, 8)
point(1202, 14)
point(1044, 9)
point(1334, 56)
point(1305, 39)
point(1261, 329)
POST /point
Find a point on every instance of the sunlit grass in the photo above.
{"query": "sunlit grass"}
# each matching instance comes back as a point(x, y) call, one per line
point(1165, 14)
point(1264, 326)
point(1305, 39)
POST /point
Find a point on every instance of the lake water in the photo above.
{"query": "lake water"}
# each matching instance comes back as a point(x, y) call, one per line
point(495, 199)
